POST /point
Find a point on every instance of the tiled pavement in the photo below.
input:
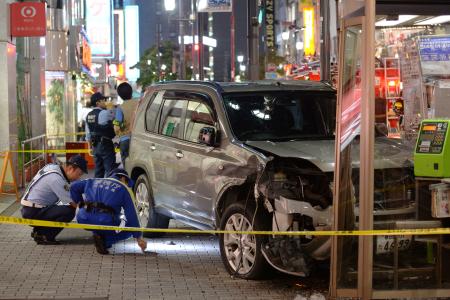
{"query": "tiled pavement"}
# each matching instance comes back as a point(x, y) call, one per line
point(185, 267)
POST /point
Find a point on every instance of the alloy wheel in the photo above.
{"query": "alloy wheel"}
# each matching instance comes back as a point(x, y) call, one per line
point(142, 204)
point(240, 249)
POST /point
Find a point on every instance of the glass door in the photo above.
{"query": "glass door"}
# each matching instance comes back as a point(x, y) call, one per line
point(346, 202)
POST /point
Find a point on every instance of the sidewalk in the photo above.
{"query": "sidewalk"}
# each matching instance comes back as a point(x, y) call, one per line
point(185, 267)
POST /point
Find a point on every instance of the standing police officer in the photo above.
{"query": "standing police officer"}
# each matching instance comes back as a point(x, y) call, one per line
point(100, 132)
point(47, 197)
point(103, 201)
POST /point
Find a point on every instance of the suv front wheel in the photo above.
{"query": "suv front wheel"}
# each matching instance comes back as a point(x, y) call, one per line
point(241, 253)
point(145, 207)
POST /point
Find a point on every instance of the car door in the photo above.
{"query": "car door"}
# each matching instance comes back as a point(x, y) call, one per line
point(145, 138)
point(168, 155)
point(193, 181)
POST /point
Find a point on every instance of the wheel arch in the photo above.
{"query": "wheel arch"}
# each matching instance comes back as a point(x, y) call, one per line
point(233, 194)
point(138, 171)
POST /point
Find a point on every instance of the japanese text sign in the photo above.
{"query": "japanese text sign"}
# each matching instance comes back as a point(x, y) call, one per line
point(28, 19)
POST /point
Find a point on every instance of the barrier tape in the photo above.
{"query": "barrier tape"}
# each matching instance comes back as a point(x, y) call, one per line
point(52, 151)
point(31, 222)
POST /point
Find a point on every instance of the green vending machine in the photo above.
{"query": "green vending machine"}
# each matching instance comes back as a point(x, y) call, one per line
point(432, 154)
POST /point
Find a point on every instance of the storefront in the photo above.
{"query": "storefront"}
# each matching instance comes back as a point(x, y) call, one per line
point(393, 72)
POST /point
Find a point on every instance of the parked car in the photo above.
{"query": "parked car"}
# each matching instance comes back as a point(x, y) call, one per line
point(249, 156)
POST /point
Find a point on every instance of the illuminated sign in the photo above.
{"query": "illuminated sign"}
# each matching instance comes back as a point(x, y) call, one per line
point(99, 27)
point(131, 41)
point(214, 5)
point(308, 38)
point(270, 24)
point(86, 55)
point(28, 19)
point(207, 41)
point(435, 54)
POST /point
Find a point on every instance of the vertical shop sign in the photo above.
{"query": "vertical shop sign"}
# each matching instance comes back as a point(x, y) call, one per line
point(28, 19)
point(99, 27)
point(308, 36)
point(86, 55)
point(132, 41)
point(270, 24)
point(214, 5)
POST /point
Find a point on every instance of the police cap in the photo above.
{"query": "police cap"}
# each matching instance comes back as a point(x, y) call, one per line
point(79, 162)
point(96, 97)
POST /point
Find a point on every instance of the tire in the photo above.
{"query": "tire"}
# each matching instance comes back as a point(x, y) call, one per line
point(145, 207)
point(230, 244)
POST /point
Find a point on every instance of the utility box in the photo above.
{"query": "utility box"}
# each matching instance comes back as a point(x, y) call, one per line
point(432, 153)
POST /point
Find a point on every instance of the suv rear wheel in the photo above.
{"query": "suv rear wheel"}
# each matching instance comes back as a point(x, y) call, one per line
point(241, 253)
point(146, 208)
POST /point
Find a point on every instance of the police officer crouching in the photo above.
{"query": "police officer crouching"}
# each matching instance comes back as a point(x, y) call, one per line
point(103, 201)
point(47, 197)
point(100, 132)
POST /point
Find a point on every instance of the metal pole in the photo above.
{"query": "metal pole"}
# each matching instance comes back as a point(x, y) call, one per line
point(366, 184)
point(194, 28)
point(252, 41)
point(232, 50)
point(254, 58)
point(158, 37)
point(200, 45)
point(182, 64)
point(325, 52)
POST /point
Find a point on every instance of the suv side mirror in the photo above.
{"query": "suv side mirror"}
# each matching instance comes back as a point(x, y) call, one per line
point(207, 136)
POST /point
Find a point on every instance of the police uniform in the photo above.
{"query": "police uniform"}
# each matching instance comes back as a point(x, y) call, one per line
point(101, 201)
point(100, 132)
point(47, 198)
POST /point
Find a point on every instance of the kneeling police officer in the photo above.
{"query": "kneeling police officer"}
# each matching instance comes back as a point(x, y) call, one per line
point(103, 201)
point(47, 197)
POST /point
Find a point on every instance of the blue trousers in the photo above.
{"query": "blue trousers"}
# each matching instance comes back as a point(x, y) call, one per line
point(124, 150)
point(59, 213)
point(111, 237)
point(104, 158)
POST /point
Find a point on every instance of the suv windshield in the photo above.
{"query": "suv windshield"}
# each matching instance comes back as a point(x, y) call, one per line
point(281, 116)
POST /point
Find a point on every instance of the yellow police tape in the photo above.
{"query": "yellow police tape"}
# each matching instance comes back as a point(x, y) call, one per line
point(53, 151)
point(31, 222)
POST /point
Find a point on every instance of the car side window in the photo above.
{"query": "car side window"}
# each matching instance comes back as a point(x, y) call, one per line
point(151, 115)
point(171, 117)
point(198, 116)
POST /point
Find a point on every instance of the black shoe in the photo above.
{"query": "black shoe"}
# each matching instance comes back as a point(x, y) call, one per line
point(43, 240)
point(100, 244)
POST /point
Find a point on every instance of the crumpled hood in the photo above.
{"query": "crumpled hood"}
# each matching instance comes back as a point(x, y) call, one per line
point(388, 153)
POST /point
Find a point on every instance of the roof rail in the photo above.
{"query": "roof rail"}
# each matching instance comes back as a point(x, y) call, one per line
point(212, 84)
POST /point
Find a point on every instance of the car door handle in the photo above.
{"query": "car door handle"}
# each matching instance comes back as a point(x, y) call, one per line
point(179, 154)
point(153, 147)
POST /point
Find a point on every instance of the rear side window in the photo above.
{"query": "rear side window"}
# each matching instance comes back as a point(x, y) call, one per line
point(171, 117)
point(151, 115)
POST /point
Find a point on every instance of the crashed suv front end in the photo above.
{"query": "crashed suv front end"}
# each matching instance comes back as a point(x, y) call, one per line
point(293, 134)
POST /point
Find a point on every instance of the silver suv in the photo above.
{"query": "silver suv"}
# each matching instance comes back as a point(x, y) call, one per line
point(243, 156)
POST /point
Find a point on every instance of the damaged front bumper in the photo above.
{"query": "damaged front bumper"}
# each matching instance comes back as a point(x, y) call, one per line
point(293, 254)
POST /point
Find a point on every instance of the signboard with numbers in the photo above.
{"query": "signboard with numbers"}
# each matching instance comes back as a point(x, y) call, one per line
point(435, 55)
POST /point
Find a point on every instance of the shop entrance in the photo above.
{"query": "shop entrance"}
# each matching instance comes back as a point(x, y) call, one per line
point(394, 72)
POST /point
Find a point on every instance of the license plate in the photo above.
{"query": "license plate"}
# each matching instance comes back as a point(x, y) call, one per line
point(385, 243)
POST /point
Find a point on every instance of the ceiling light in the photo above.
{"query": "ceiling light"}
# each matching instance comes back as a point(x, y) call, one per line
point(433, 21)
point(401, 19)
